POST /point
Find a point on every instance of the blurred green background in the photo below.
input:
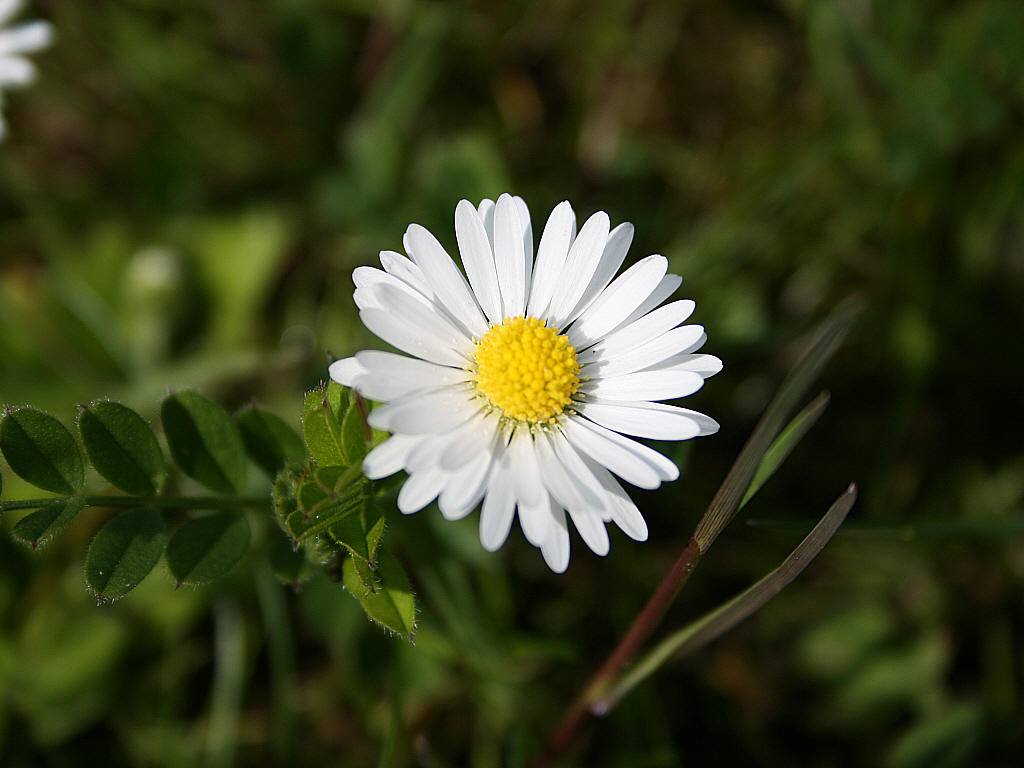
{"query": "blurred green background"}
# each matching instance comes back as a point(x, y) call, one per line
point(186, 190)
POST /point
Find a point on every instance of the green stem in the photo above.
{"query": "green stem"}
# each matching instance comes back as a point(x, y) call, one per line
point(158, 502)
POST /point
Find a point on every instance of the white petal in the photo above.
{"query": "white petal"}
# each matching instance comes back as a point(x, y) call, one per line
point(623, 511)
point(536, 518)
point(526, 476)
point(486, 213)
point(663, 466)
point(611, 259)
point(478, 258)
point(473, 438)
point(618, 301)
point(420, 489)
point(399, 266)
point(509, 257)
point(346, 370)
point(556, 548)
point(388, 376)
point(655, 421)
point(499, 504)
point(705, 365)
point(658, 349)
point(29, 37)
point(625, 463)
point(425, 412)
point(425, 454)
point(667, 286)
point(389, 457)
point(562, 487)
point(15, 71)
point(640, 331)
point(524, 220)
point(9, 9)
point(445, 279)
point(465, 488)
point(416, 329)
point(555, 241)
point(580, 265)
point(592, 531)
point(579, 473)
point(644, 385)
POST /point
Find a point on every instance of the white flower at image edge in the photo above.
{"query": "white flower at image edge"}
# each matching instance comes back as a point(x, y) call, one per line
point(32, 36)
point(525, 378)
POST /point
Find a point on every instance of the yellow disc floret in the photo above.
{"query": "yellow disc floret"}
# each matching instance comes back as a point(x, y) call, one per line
point(526, 369)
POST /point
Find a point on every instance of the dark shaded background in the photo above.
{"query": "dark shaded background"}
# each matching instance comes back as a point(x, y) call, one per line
point(186, 190)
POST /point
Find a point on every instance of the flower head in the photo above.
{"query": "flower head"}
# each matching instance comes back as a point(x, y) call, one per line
point(15, 69)
point(525, 377)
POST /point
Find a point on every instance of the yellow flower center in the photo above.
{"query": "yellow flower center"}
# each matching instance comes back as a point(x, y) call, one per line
point(526, 369)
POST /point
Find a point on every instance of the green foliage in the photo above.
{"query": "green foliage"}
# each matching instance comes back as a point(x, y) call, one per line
point(206, 548)
point(124, 552)
point(36, 527)
point(41, 451)
point(122, 447)
point(360, 534)
point(204, 441)
point(384, 592)
point(780, 154)
point(269, 440)
point(334, 426)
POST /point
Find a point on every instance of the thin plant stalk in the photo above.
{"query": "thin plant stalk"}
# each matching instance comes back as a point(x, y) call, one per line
point(721, 510)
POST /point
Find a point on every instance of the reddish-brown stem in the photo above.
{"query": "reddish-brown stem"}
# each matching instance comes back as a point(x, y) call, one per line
point(627, 648)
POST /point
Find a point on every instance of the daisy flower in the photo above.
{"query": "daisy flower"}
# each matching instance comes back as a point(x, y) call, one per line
point(525, 377)
point(15, 69)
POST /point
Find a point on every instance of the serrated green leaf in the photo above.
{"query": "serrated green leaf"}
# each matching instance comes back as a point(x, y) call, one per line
point(41, 451)
point(324, 426)
point(122, 447)
point(326, 497)
point(289, 564)
point(124, 552)
point(269, 440)
point(390, 602)
point(360, 534)
point(205, 548)
point(36, 527)
point(204, 441)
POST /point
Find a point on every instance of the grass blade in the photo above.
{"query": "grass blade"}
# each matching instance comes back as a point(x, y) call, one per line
point(733, 489)
point(728, 615)
point(784, 445)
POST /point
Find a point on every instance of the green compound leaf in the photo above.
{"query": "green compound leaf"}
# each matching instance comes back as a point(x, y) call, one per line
point(332, 424)
point(384, 593)
point(269, 440)
point(124, 552)
point(206, 548)
point(360, 534)
point(204, 441)
point(325, 498)
point(41, 451)
point(37, 527)
point(122, 447)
